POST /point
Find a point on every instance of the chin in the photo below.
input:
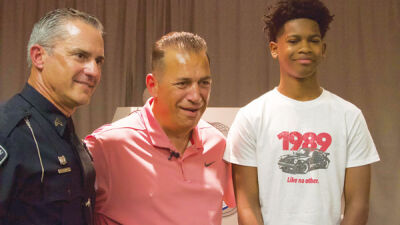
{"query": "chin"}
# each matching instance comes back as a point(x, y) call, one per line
point(81, 101)
point(305, 75)
point(189, 125)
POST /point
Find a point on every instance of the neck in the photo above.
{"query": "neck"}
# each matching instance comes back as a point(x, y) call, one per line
point(179, 140)
point(303, 89)
point(178, 137)
point(36, 81)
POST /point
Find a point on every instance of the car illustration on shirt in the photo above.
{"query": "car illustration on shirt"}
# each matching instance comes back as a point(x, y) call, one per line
point(303, 161)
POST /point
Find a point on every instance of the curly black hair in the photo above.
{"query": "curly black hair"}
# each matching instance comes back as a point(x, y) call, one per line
point(284, 10)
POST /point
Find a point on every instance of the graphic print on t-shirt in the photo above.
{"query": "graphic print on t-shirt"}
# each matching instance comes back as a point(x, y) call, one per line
point(307, 151)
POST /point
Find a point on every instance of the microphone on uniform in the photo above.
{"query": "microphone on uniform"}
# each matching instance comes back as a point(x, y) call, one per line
point(173, 154)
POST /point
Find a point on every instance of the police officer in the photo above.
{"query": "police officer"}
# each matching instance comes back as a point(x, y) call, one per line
point(46, 174)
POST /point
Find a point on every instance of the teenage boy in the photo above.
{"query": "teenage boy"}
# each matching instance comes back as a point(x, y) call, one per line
point(296, 149)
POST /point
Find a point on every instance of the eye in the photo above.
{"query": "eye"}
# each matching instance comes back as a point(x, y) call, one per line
point(99, 61)
point(292, 41)
point(181, 84)
point(205, 83)
point(315, 41)
point(81, 56)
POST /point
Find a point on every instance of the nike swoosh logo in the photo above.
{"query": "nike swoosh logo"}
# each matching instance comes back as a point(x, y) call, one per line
point(208, 164)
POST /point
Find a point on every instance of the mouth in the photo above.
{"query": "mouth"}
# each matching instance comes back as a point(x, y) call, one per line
point(304, 61)
point(86, 83)
point(191, 112)
point(190, 109)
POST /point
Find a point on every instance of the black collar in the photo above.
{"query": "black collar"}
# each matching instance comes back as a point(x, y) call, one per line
point(56, 118)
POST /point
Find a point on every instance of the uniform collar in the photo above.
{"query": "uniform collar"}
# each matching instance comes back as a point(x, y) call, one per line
point(157, 135)
point(56, 118)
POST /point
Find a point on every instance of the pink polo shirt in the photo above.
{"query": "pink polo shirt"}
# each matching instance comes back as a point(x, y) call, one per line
point(136, 183)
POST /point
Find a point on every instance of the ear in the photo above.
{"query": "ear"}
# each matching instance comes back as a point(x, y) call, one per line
point(38, 55)
point(323, 49)
point(152, 84)
point(273, 47)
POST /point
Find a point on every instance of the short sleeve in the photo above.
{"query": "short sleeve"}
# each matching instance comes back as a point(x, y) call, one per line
point(241, 141)
point(361, 147)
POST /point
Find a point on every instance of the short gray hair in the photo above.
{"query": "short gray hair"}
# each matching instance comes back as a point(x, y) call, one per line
point(50, 28)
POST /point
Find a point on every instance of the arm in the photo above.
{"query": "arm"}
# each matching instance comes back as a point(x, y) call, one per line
point(229, 195)
point(8, 178)
point(246, 191)
point(356, 194)
point(102, 169)
point(7, 186)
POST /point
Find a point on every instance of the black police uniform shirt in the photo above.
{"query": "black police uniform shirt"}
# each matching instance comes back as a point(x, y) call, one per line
point(45, 178)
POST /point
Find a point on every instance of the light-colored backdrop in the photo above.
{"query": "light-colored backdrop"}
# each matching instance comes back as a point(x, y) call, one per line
point(362, 65)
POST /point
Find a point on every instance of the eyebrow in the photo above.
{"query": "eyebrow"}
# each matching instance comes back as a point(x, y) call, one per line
point(297, 36)
point(189, 79)
point(86, 53)
point(206, 78)
point(78, 50)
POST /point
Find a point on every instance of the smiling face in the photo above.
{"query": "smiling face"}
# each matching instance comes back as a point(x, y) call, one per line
point(299, 49)
point(181, 89)
point(72, 69)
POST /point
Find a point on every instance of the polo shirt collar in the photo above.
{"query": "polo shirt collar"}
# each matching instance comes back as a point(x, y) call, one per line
point(157, 135)
point(56, 118)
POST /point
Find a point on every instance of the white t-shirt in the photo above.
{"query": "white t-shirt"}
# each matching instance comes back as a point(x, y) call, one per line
point(301, 151)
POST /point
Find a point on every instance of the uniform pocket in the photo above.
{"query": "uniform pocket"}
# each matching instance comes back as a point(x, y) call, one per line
point(61, 187)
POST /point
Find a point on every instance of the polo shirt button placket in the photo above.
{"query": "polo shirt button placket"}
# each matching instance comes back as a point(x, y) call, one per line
point(180, 162)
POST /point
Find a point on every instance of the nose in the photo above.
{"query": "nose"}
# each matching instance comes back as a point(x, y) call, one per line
point(92, 69)
point(194, 95)
point(305, 47)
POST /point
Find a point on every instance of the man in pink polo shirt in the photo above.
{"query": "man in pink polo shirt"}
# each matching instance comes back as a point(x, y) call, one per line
point(163, 164)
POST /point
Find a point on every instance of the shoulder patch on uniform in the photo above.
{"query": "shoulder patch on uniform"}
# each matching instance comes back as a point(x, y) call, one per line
point(3, 155)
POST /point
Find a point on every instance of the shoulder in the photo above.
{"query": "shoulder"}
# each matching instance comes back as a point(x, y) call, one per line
point(213, 129)
point(252, 113)
point(133, 121)
point(212, 136)
point(259, 102)
point(119, 128)
point(258, 107)
point(340, 104)
point(213, 133)
point(11, 113)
